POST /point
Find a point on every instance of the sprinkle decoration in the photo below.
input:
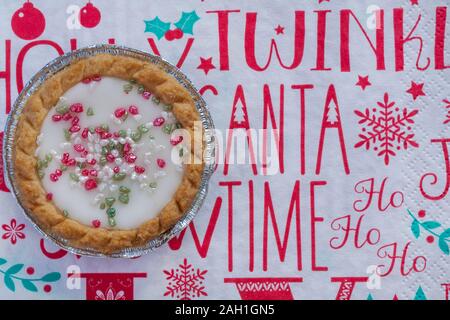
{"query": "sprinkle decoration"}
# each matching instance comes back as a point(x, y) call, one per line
point(98, 159)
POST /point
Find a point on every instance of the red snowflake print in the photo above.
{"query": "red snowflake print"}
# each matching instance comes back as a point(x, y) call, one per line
point(447, 106)
point(185, 282)
point(13, 231)
point(387, 129)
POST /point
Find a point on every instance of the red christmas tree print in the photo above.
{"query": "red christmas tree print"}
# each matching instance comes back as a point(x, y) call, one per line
point(185, 282)
point(387, 129)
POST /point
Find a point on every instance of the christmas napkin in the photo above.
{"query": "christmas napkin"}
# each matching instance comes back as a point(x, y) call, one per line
point(340, 188)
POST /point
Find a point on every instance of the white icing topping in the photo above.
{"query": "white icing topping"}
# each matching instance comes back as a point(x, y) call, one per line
point(150, 190)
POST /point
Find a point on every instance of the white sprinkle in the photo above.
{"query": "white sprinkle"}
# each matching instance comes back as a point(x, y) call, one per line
point(39, 138)
point(53, 152)
point(89, 157)
point(90, 137)
point(149, 125)
point(160, 173)
point(103, 142)
point(77, 140)
point(115, 153)
point(102, 186)
point(98, 147)
point(113, 187)
point(143, 185)
point(122, 140)
point(99, 197)
point(137, 117)
point(36, 152)
point(65, 145)
point(133, 176)
point(142, 177)
point(118, 161)
point(83, 179)
point(116, 120)
point(80, 159)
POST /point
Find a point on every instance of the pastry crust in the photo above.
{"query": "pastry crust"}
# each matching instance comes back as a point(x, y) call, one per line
point(48, 216)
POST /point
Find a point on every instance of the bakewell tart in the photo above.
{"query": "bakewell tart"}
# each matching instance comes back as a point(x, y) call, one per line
point(107, 153)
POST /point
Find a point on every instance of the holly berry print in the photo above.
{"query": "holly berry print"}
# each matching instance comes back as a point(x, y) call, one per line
point(386, 129)
point(185, 25)
point(13, 275)
point(430, 227)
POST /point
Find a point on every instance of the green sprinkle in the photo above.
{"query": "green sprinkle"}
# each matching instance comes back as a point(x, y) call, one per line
point(119, 176)
point(112, 222)
point(81, 165)
point(124, 189)
point(91, 129)
point(142, 128)
point(122, 133)
point(40, 164)
point(178, 125)
point(167, 128)
point(105, 127)
point(65, 213)
point(62, 109)
point(111, 212)
point(181, 152)
point(167, 107)
point(127, 87)
point(140, 89)
point(155, 100)
point(90, 111)
point(153, 185)
point(49, 157)
point(124, 198)
point(74, 177)
point(110, 201)
point(136, 136)
point(41, 174)
point(132, 81)
point(45, 163)
point(103, 160)
point(151, 137)
point(67, 134)
point(102, 206)
point(63, 168)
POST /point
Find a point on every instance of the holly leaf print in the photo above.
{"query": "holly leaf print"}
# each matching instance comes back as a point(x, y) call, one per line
point(51, 277)
point(446, 234)
point(29, 285)
point(415, 229)
point(431, 224)
point(2, 261)
point(443, 245)
point(14, 269)
point(9, 283)
point(187, 21)
point(157, 27)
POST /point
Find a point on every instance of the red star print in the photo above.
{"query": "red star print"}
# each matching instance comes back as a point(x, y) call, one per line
point(206, 64)
point(279, 30)
point(416, 90)
point(363, 82)
point(414, 2)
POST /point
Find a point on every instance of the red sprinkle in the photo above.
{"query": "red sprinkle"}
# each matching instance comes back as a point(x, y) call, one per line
point(65, 156)
point(75, 120)
point(77, 108)
point(105, 135)
point(176, 140)
point(98, 130)
point(139, 169)
point(116, 169)
point(49, 196)
point(85, 133)
point(85, 172)
point(93, 173)
point(53, 177)
point(116, 134)
point(126, 147)
point(158, 122)
point(92, 162)
point(66, 116)
point(96, 223)
point(146, 95)
point(161, 163)
point(97, 77)
point(74, 128)
point(58, 172)
point(90, 184)
point(86, 80)
point(71, 162)
point(56, 117)
point(131, 157)
point(79, 147)
point(110, 157)
point(120, 112)
point(133, 110)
